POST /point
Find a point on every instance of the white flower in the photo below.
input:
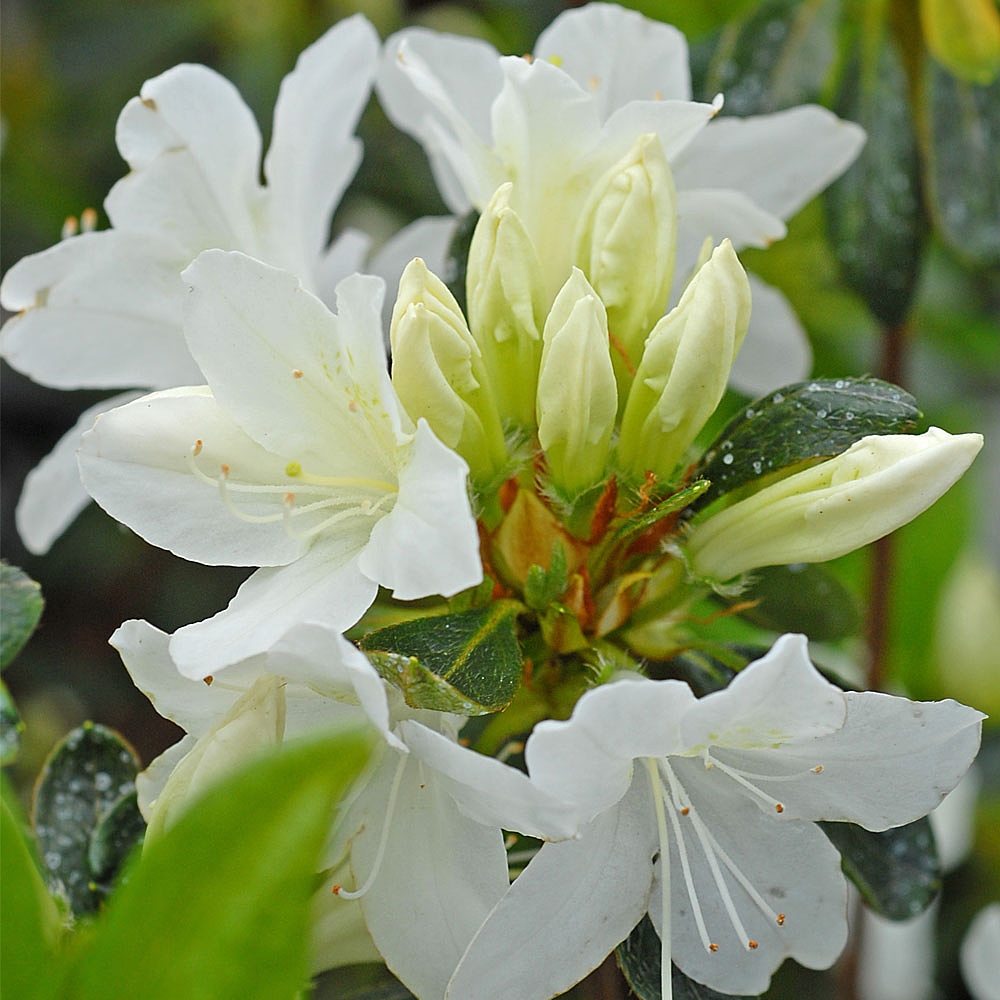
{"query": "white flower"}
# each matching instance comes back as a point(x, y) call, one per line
point(724, 788)
point(103, 309)
point(979, 954)
point(421, 835)
point(601, 77)
point(297, 457)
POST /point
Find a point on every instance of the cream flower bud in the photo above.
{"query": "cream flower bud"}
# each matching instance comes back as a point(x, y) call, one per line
point(880, 483)
point(625, 245)
point(577, 397)
point(439, 373)
point(507, 304)
point(255, 722)
point(685, 367)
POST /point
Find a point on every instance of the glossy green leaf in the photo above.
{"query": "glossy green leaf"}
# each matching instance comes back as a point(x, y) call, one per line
point(804, 598)
point(896, 871)
point(964, 188)
point(468, 662)
point(81, 783)
point(30, 919)
point(11, 727)
point(874, 211)
point(217, 908)
point(801, 423)
point(456, 262)
point(20, 609)
point(639, 959)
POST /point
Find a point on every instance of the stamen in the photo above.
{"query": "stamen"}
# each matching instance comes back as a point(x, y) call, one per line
point(296, 373)
point(339, 890)
point(70, 227)
point(208, 680)
point(739, 778)
point(88, 220)
point(666, 979)
point(510, 748)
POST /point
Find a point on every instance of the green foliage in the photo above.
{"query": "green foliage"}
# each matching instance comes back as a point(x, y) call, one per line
point(634, 526)
point(543, 586)
point(468, 662)
point(20, 609)
point(456, 261)
point(694, 19)
point(217, 908)
point(11, 727)
point(897, 871)
point(639, 959)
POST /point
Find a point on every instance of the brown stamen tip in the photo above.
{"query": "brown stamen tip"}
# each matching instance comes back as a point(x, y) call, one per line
point(296, 373)
point(781, 920)
point(685, 810)
point(208, 680)
point(778, 807)
point(752, 944)
point(713, 947)
point(198, 445)
point(818, 769)
point(225, 470)
point(336, 889)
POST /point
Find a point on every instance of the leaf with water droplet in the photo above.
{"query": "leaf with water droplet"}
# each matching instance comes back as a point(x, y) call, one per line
point(20, 609)
point(802, 423)
point(897, 871)
point(11, 727)
point(115, 837)
point(83, 780)
point(469, 662)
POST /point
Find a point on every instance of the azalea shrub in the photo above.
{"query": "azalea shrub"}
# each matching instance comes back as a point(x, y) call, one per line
point(547, 660)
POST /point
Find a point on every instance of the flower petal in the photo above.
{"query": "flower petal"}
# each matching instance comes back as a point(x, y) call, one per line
point(566, 911)
point(428, 543)
point(149, 783)
point(719, 213)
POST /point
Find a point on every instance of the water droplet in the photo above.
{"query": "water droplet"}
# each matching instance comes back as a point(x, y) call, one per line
point(727, 459)
point(821, 414)
point(758, 467)
point(102, 781)
point(839, 384)
point(751, 413)
point(849, 415)
point(777, 398)
point(53, 859)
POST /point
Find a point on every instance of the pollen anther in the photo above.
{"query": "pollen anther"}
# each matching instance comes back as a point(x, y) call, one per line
point(713, 947)
point(752, 944)
point(208, 680)
point(781, 920)
point(296, 373)
point(778, 807)
point(198, 445)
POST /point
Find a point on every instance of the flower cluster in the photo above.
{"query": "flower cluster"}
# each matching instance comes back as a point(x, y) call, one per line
point(539, 469)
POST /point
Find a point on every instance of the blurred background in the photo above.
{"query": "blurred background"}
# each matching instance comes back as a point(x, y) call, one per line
point(895, 273)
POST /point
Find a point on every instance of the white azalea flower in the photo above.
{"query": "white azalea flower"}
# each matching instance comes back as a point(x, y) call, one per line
point(714, 798)
point(979, 954)
point(601, 77)
point(103, 309)
point(297, 457)
point(422, 835)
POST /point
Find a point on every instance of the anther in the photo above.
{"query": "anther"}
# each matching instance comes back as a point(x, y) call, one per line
point(713, 947)
point(778, 807)
point(781, 919)
point(352, 405)
point(70, 227)
point(753, 945)
point(289, 499)
point(685, 810)
point(818, 769)
point(658, 96)
point(208, 680)
point(595, 82)
point(225, 470)
point(88, 220)
point(296, 373)
point(198, 445)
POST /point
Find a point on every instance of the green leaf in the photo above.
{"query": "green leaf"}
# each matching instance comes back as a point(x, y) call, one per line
point(11, 728)
point(20, 608)
point(456, 262)
point(468, 662)
point(639, 959)
point(28, 914)
point(805, 597)
point(543, 586)
point(114, 838)
point(964, 183)
point(693, 19)
point(217, 908)
point(805, 422)
point(634, 526)
point(359, 982)
point(81, 783)
point(897, 871)
point(874, 211)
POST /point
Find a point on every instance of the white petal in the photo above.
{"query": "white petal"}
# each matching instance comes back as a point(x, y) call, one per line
point(779, 698)
point(313, 155)
point(566, 911)
point(720, 213)
point(440, 876)
point(337, 930)
point(776, 351)
point(195, 151)
point(618, 55)
point(323, 586)
point(53, 495)
point(100, 310)
point(428, 543)
point(677, 123)
point(346, 255)
point(488, 791)
point(137, 463)
point(780, 160)
point(792, 866)
point(299, 380)
point(149, 783)
point(979, 954)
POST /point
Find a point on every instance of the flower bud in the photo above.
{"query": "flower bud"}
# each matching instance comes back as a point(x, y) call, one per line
point(255, 722)
point(880, 483)
point(439, 374)
point(577, 398)
point(685, 367)
point(625, 245)
point(506, 303)
point(964, 36)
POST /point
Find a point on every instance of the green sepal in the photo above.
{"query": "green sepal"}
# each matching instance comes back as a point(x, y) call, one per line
point(21, 606)
point(897, 871)
point(456, 261)
point(805, 422)
point(11, 728)
point(634, 526)
point(561, 630)
point(543, 586)
point(639, 959)
point(469, 662)
point(80, 785)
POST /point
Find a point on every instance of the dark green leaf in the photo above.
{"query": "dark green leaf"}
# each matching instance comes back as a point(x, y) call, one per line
point(114, 838)
point(964, 186)
point(639, 959)
point(693, 19)
point(897, 871)
point(469, 662)
point(29, 916)
point(805, 598)
point(217, 908)
point(11, 727)
point(702, 672)
point(805, 422)
point(456, 263)
point(359, 982)
point(874, 212)
point(20, 608)
point(81, 783)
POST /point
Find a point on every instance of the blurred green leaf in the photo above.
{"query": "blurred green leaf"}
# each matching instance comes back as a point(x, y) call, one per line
point(693, 19)
point(897, 871)
point(468, 662)
point(217, 908)
point(20, 609)
point(11, 727)
point(114, 839)
point(81, 783)
point(457, 260)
